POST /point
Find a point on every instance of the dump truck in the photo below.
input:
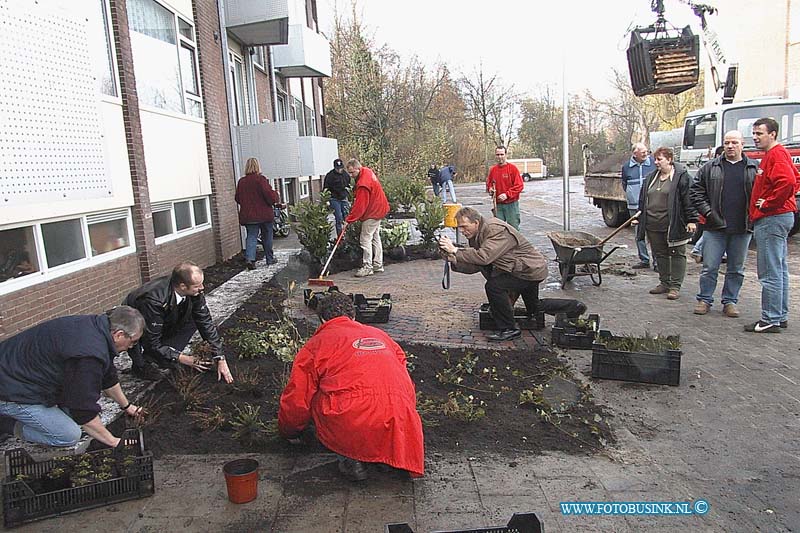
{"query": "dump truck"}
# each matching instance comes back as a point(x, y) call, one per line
point(602, 182)
point(530, 169)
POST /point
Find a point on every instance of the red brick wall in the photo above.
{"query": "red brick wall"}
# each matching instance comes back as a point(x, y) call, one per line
point(224, 213)
point(89, 291)
point(198, 248)
point(263, 93)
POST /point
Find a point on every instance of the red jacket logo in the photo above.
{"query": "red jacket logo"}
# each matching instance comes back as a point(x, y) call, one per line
point(369, 344)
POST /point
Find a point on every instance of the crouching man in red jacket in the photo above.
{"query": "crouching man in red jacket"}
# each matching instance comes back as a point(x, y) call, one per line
point(351, 379)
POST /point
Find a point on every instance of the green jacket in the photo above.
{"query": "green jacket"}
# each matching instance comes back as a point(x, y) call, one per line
point(504, 248)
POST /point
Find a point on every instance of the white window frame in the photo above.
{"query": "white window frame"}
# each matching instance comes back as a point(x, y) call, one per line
point(185, 42)
point(194, 228)
point(305, 187)
point(239, 88)
point(47, 273)
point(260, 59)
point(108, 35)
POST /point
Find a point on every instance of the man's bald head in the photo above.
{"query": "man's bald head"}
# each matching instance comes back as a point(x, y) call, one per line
point(732, 143)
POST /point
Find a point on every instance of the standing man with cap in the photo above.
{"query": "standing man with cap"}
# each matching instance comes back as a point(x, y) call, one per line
point(337, 182)
point(634, 173)
point(505, 184)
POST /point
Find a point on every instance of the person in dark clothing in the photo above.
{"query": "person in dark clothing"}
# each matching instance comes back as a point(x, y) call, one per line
point(51, 376)
point(668, 219)
point(337, 181)
point(721, 193)
point(433, 175)
point(173, 308)
point(256, 199)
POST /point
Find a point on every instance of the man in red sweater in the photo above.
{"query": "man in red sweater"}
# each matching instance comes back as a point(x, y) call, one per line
point(351, 379)
point(505, 183)
point(772, 207)
point(369, 206)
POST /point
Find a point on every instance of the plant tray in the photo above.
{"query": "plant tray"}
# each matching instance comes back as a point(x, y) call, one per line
point(311, 297)
point(486, 320)
point(372, 310)
point(566, 335)
point(519, 523)
point(640, 367)
point(21, 504)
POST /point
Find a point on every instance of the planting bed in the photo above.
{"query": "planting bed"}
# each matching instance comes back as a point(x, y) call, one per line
point(478, 400)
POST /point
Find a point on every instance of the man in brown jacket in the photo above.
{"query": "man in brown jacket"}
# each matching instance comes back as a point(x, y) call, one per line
point(510, 264)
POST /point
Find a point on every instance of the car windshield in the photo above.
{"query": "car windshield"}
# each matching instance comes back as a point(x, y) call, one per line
point(787, 115)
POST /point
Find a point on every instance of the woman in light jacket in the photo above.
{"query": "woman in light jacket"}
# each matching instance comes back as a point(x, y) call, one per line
point(256, 197)
point(668, 220)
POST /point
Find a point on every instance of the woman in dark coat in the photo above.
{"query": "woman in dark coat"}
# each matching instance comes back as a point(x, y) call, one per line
point(256, 197)
point(668, 219)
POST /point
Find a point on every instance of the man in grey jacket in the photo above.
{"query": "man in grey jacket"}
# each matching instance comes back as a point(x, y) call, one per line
point(721, 192)
point(510, 264)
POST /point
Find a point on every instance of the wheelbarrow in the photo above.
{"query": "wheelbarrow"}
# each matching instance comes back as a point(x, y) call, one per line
point(580, 248)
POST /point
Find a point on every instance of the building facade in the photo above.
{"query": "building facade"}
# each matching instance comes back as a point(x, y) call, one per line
point(124, 126)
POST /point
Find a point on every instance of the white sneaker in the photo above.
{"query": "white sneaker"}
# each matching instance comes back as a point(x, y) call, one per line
point(364, 272)
point(377, 269)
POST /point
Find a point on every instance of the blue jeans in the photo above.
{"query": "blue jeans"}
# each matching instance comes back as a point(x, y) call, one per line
point(340, 210)
point(45, 425)
point(448, 185)
point(437, 188)
point(715, 245)
point(641, 246)
point(252, 239)
point(770, 234)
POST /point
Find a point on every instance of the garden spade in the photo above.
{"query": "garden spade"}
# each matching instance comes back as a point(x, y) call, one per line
point(622, 227)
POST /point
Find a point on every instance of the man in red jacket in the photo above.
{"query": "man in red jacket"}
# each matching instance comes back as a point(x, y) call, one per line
point(505, 183)
point(369, 206)
point(772, 207)
point(351, 379)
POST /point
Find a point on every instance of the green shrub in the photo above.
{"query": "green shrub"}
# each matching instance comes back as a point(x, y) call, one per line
point(403, 193)
point(394, 234)
point(430, 218)
point(313, 228)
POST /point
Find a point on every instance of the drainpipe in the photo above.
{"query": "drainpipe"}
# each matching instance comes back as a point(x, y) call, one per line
point(273, 93)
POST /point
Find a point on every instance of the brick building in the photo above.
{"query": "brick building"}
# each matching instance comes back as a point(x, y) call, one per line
point(125, 124)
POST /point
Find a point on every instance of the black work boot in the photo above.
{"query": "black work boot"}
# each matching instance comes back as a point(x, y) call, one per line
point(352, 469)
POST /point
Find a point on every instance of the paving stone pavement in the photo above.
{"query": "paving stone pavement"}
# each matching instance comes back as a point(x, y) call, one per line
point(727, 434)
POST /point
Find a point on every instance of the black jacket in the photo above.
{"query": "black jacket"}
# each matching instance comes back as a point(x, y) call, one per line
point(433, 175)
point(337, 183)
point(65, 361)
point(681, 210)
point(706, 191)
point(163, 317)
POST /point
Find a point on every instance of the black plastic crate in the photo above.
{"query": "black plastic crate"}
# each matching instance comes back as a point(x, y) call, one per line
point(658, 368)
point(519, 523)
point(524, 321)
point(372, 310)
point(567, 335)
point(311, 297)
point(21, 504)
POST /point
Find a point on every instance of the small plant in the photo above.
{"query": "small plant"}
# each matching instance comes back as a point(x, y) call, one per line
point(646, 344)
point(427, 407)
point(403, 192)
point(430, 218)
point(394, 235)
point(533, 396)
point(56, 473)
point(455, 374)
point(151, 408)
point(249, 343)
point(313, 228)
point(209, 419)
point(464, 407)
point(247, 379)
point(279, 381)
point(284, 339)
point(247, 424)
point(22, 477)
point(189, 386)
point(411, 362)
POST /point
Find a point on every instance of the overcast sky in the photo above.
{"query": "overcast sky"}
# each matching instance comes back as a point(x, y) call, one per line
point(522, 40)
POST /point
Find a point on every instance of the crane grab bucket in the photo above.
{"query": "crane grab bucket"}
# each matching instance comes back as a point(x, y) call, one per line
point(663, 64)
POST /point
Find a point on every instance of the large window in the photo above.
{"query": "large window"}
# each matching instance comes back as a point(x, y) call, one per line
point(173, 219)
point(104, 70)
point(54, 247)
point(239, 90)
point(165, 58)
point(259, 57)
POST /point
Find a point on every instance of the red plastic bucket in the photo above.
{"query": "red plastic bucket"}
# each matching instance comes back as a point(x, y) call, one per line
point(241, 477)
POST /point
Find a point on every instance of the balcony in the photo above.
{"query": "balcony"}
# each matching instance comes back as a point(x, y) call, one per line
point(308, 54)
point(258, 22)
point(284, 154)
point(317, 155)
point(274, 144)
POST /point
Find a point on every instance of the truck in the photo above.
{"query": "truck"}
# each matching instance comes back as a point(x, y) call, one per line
point(533, 168)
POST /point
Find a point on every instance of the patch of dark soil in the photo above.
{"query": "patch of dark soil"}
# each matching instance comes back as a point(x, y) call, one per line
point(468, 382)
point(401, 215)
point(344, 261)
point(219, 273)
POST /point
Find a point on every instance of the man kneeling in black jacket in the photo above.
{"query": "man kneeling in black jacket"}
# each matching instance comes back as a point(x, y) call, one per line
point(51, 376)
point(173, 308)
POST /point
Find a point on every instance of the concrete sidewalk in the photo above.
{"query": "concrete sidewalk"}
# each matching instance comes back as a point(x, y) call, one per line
point(727, 434)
